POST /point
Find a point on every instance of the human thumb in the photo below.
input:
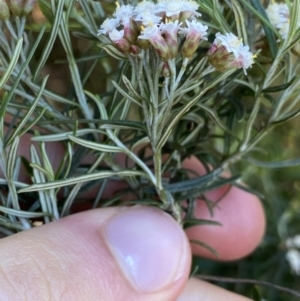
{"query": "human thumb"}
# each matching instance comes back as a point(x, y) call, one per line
point(134, 253)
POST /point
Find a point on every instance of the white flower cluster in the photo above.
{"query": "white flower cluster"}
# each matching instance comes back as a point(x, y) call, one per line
point(279, 16)
point(226, 44)
point(164, 25)
point(158, 24)
point(148, 13)
point(293, 253)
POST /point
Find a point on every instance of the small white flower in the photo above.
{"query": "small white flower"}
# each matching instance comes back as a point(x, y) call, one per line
point(284, 29)
point(170, 7)
point(278, 13)
point(145, 6)
point(116, 35)
point(289, 243)
point(124, 13)
point(293, 257)
point(279, 16)
point(228, 51)
point(230, 41)
point(148, 18)
point(296, 241)
point(244, 58)
point(293, 242)
point(170, 27)
point(194, 27)
point(190, 6)
point(108, 26)
point(149, 32)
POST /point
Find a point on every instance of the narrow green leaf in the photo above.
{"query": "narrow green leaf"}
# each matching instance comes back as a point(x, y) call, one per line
point(55, 27)
point(239, 108)
point(287, 117)
point(215, 118)
point(206, 246)
point(45, 7)
point(12, 64)
point(240, 21)
point(51, 95)
point(23, 214)
point(142, 141)
point(113, 51)
point(199, 190)
point(190, 184)
point(130, 87)
point(97, 146)
point(41, 169)
point(277, 164)
point(280, 87)
point(187, 223)
point(125, 94)
point(79, 179)
point(28, 114)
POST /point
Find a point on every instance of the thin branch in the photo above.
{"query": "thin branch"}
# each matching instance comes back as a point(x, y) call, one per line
point(249, 281)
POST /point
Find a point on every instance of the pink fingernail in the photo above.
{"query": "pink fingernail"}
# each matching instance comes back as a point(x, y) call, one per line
point(149, 246)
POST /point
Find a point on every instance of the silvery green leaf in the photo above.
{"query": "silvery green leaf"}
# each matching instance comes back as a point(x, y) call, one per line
point(113, 51)
point(96, 146)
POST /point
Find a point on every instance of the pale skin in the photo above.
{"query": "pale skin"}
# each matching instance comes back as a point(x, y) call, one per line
point(70, 259)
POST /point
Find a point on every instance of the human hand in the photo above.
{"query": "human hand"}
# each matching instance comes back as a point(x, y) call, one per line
point(136, 253)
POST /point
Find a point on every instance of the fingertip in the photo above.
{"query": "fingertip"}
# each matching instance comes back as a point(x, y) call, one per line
point(242, 227)
point(240, 213)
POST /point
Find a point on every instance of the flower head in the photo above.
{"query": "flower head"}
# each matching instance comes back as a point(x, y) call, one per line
point(170, 31)
point(293, 257)
point(170, 8)
point(227, 51)
point(279, 16)
point(195, 31)
point(244, 58)
point(284, 29)
point(194, 28)
point(108, 25)
point(4, 10)
point(123, 12)
point(145, 6)
point(116, 35)
point(153, 34)
point(147, 18)
point(229, 41)
point(278, 13)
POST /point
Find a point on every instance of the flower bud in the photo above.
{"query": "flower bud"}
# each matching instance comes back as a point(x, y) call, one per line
point(16, 7)
point(131, 31)
point(135, 49)
point(194, 32)
point(220, 58)
point(28, 7)
point(4, 10)
point(143, 44)
point(166, 71)
point(117, 37)
point(153, 34)
point(170, 31)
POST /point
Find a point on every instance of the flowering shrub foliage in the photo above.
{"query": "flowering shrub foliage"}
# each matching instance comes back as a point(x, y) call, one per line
point(279, 16)
point(178, 79)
